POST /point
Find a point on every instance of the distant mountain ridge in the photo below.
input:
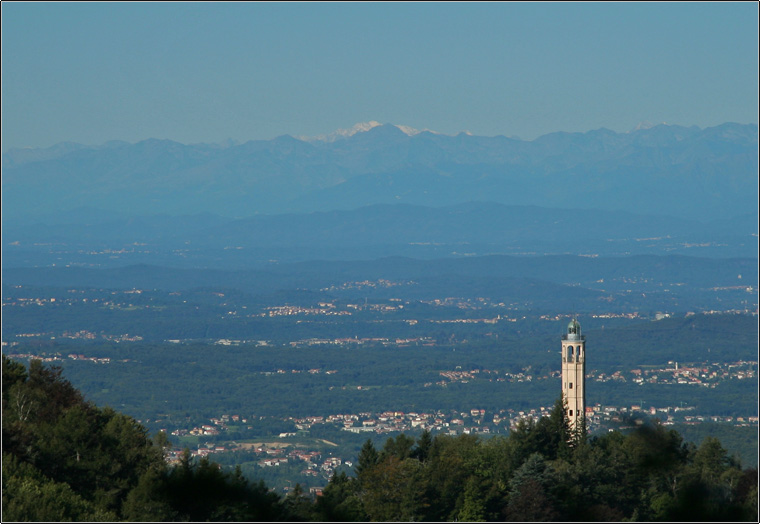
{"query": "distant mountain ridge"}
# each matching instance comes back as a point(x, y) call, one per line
point(546, 279)
point(380, 230)
point(665, 169)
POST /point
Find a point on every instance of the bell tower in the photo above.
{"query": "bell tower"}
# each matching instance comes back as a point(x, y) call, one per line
point(574, 372)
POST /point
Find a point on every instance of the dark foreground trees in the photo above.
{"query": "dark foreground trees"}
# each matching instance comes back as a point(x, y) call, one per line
point(544, 472)
point(65, 459)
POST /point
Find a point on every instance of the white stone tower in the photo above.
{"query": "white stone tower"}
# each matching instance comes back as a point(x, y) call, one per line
point(574, 372)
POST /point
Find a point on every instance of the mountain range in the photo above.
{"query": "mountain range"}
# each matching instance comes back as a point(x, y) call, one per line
point(685, 172)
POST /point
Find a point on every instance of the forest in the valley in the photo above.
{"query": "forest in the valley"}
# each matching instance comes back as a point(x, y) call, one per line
point(65, 458)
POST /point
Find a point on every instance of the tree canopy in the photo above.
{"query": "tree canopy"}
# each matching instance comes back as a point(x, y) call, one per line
point(66, 459)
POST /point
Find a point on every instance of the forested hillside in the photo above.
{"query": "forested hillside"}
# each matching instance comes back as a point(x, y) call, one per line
point(66, 459)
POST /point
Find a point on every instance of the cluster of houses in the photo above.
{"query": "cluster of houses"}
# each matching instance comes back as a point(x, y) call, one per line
point(703, 374)
point(82, 334)
point(475, 421)
point(384, 341)
point(284, 311)
point(381, 283)
point(104, 360)
point(272, 455)
point(57, 357)
point(217, 426)
point(277, 455)
point(89, 335)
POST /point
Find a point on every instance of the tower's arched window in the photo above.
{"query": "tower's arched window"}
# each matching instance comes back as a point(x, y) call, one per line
point(569, 353)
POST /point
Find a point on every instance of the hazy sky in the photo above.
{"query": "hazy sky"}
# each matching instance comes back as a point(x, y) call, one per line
point(205, 72)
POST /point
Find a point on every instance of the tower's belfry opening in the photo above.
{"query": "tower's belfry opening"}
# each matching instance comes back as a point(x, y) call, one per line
point(574, 372)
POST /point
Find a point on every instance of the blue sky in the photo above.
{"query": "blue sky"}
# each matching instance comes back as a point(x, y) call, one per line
point(206, 72)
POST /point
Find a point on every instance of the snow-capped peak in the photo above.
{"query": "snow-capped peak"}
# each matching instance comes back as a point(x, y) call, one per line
point(646, 125)
point(408, 130)
point(361, 127)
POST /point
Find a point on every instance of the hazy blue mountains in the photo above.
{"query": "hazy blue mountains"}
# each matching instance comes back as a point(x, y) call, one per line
point(85, 237)
point(693, 173)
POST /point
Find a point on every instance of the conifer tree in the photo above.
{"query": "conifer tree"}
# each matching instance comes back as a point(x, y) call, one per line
point(424, 442)
point(368, 459)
